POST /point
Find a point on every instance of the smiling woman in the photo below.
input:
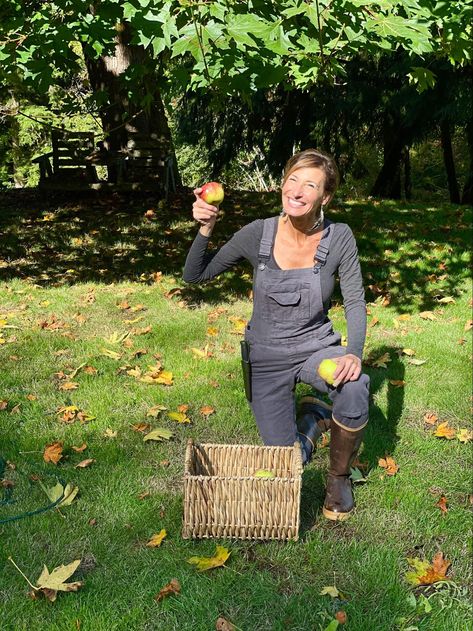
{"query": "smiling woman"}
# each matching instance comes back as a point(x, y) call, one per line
point(296, 258)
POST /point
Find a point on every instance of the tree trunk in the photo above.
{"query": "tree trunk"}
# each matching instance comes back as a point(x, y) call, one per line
point(122, 117)
point(467, 195)
point(446, 139)
point(18, 179)
point(388, 182)
point(406, 158)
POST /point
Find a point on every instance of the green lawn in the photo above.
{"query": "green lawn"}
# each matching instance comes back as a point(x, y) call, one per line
point(77, 277)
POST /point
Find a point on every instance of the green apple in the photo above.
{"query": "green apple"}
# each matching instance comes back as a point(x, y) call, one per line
point(263, 473)
point(327, 369)
point(212, 193)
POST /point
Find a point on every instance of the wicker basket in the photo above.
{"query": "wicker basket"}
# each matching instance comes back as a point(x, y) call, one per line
point(223, 498)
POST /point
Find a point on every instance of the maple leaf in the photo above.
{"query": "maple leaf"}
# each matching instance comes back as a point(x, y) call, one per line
point(382, 361)
point(389, 464)
point(51, 583)
point(426, 573)
point(173, 587)
point(180, 417)
point(207, 563)
point(445, 431)
point(140, 427)
point(160, 433)
point(156, 540)
point(53, 452)
point(68, 492)
point(464, 435)
point(183, 407)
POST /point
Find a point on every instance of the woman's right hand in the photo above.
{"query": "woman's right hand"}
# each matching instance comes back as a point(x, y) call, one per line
point(204, 213)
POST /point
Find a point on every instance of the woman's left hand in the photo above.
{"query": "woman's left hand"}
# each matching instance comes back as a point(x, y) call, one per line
point(348, 369)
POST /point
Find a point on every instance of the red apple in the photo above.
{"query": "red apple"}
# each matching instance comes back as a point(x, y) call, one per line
point(212, 193)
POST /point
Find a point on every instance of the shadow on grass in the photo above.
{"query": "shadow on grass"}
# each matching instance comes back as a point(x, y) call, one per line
point(411, 254)
point(379, 440)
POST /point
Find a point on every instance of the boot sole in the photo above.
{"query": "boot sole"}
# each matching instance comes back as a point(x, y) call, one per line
point(334, 516)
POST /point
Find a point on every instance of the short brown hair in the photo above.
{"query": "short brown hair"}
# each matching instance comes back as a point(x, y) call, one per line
point(314, 158)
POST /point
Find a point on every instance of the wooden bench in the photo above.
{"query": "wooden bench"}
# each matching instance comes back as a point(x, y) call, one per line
point(65, 165)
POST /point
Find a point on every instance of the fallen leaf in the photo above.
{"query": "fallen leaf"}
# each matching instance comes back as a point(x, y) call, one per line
point(207, 410)
point(143, 495)
point(160, 433)
point(183, 408)
point(389, 464)
point(330, 591)
point(31, 397)
point(51, 583)
point(212, 331)
point(427, 315)
point(428, 573)
point(110, 433)
point(201, 353)
point(207, 563)
point(155, 410)
point(445, 431)
point(464, 435)
point(111, 354)
point(180, 417)
point(416, 362)
point(156, 540)
point(341, 616)
point(430, 418)
point(374, 321)
point(404, 317)
point(173, 587)
point(408, 351)
point(442, 504)
point(224, 625)
point(468, 325)
point(446, 300)
point(3, 405)
point(398, 383)
point(382, 361)
point(53, 452)
point(69, 385)
point(68, 492)
point(84, 463)
point(140, 427)
point(79, 449)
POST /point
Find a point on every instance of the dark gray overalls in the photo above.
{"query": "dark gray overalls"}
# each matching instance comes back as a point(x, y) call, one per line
point(289, 335)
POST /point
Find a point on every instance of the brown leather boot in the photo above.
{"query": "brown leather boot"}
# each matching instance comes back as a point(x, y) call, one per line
point(344, 445)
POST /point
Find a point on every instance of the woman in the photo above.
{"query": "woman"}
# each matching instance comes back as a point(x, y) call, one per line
point(296, 258)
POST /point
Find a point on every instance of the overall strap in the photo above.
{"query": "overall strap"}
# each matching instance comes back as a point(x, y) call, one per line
point(269, 230)
point(320, 257)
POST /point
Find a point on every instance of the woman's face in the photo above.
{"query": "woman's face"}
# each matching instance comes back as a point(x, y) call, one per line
point(304, 191)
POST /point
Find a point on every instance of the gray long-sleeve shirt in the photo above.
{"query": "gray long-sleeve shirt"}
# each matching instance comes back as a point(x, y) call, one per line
point(342, 261)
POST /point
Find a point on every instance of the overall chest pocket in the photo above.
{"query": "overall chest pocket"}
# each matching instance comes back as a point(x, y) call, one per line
point(286, 303)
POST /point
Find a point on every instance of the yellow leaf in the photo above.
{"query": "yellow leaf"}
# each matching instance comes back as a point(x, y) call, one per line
point(110, 433)
point(155, 410)
point(134, 372)
point(180, 417)
point(207, 563)
point(464, 436)
point(201, 353)
point(446, 300)
point(426, 573)
point(330, 591)
point(55, 581)
point(111, 354)
point(69, 385)
point(157, 539)
point(404, 316)
point(212, 331)
point(239, 325)
point(408, 351)
point(165, 377)
point(427, 315)
point(116, 338)
point(160, 433)
point(135, 320)
point(69, 492)
point(445, 431)
point(468, 325)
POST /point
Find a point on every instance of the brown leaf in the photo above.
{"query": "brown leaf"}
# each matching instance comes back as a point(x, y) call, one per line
point(80, 449)
point(31, 397)
point(445, 431)
point(374, 321)
point(224, 625)
point(341, 616)
point(398, 383)
point(389, 464)
point(183, 408)
point(84, 463)
point(427, 315)
point(442, 504)
point(3, 405)
point(143, 495)
point(173, 587)
point(92, 522)
point(430, 418)
point(468, 325)
point(90, 370)
point(207, 410)
point(140, 427)
point(69, 385)
point(53, 452)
